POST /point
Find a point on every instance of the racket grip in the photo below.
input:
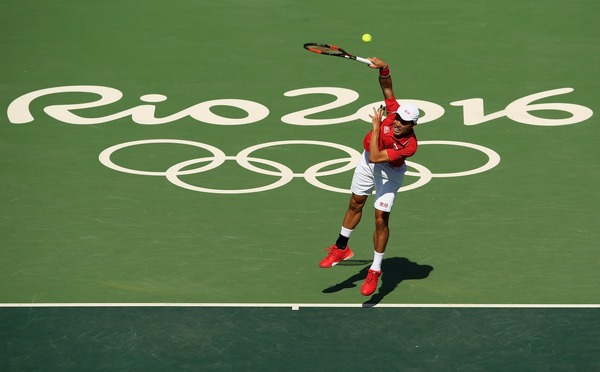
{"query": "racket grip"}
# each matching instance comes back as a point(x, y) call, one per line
point(363, 60)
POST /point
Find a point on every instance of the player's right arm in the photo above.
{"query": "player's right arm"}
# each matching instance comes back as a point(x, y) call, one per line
point(385, 79)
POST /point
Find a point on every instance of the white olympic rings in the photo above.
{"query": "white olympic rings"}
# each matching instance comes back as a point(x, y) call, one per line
point(284, 173)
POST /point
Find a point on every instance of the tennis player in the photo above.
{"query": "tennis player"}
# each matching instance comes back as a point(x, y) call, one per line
point(381, 167)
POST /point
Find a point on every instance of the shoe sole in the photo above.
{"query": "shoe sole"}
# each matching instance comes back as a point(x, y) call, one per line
point(370, 293)
point(367, 294)
point(344, 259)
point(335, 263)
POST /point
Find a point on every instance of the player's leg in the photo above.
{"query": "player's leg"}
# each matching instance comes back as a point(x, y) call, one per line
point(363, 183)
point(354, 212)
point(351, 219)
point(387, 188)
point(382, 232)
point(362, 186)
point(340, 251)
point(380, 239)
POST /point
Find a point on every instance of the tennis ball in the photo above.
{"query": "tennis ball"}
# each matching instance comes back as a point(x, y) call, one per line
point(367, 38)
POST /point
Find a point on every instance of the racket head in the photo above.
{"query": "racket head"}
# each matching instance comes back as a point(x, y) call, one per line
point(327, 49)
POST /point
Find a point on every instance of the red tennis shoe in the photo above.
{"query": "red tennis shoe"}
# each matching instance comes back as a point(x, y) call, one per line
point(370, 284)
point(335, 256)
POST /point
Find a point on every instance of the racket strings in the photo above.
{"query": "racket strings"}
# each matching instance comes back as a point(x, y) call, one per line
point(324, 49)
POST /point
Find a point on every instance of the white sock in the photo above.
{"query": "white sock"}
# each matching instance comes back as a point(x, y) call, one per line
point(377, 258)
point(346, 232)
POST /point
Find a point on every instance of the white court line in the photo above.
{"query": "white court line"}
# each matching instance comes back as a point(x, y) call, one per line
point(297, 306)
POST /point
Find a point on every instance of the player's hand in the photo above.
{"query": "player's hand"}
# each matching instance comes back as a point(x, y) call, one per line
point(376, 118)
point(376, 62)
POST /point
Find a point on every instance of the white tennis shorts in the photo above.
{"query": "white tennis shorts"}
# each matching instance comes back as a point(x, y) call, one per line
point(384, 178)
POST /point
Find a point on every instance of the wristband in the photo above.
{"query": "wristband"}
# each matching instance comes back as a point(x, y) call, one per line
point(384, 72)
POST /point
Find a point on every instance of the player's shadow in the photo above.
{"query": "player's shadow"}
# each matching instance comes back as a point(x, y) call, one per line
point(395, 270)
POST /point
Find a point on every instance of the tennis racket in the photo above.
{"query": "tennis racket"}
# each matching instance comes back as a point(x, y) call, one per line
point(332, 50)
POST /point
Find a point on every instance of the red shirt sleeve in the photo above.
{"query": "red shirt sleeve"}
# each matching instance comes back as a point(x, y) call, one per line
point(391, 105)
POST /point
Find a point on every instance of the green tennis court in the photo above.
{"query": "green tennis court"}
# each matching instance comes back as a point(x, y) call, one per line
point(172, 171)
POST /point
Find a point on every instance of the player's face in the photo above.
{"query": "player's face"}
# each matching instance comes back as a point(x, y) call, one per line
point(402, 127)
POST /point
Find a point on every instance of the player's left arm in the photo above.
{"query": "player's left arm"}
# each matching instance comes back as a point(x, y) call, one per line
point(375, 154)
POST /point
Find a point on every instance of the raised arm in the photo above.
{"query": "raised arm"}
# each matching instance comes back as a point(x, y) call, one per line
point(385, 79)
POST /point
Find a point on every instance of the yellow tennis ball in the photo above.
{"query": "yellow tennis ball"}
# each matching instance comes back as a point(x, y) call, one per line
point(367, 38)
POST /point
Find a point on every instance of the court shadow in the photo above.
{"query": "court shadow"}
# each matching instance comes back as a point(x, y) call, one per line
point(395, 270)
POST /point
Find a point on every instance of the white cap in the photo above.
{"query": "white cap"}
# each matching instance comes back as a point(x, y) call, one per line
point(408, 112)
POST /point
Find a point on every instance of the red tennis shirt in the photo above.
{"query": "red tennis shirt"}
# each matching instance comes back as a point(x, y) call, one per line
point(398, 149)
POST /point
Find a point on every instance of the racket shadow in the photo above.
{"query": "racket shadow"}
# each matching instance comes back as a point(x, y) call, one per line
point(395, 271)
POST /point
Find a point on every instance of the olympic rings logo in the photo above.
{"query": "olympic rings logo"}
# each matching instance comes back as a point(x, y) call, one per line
point(283, 172)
